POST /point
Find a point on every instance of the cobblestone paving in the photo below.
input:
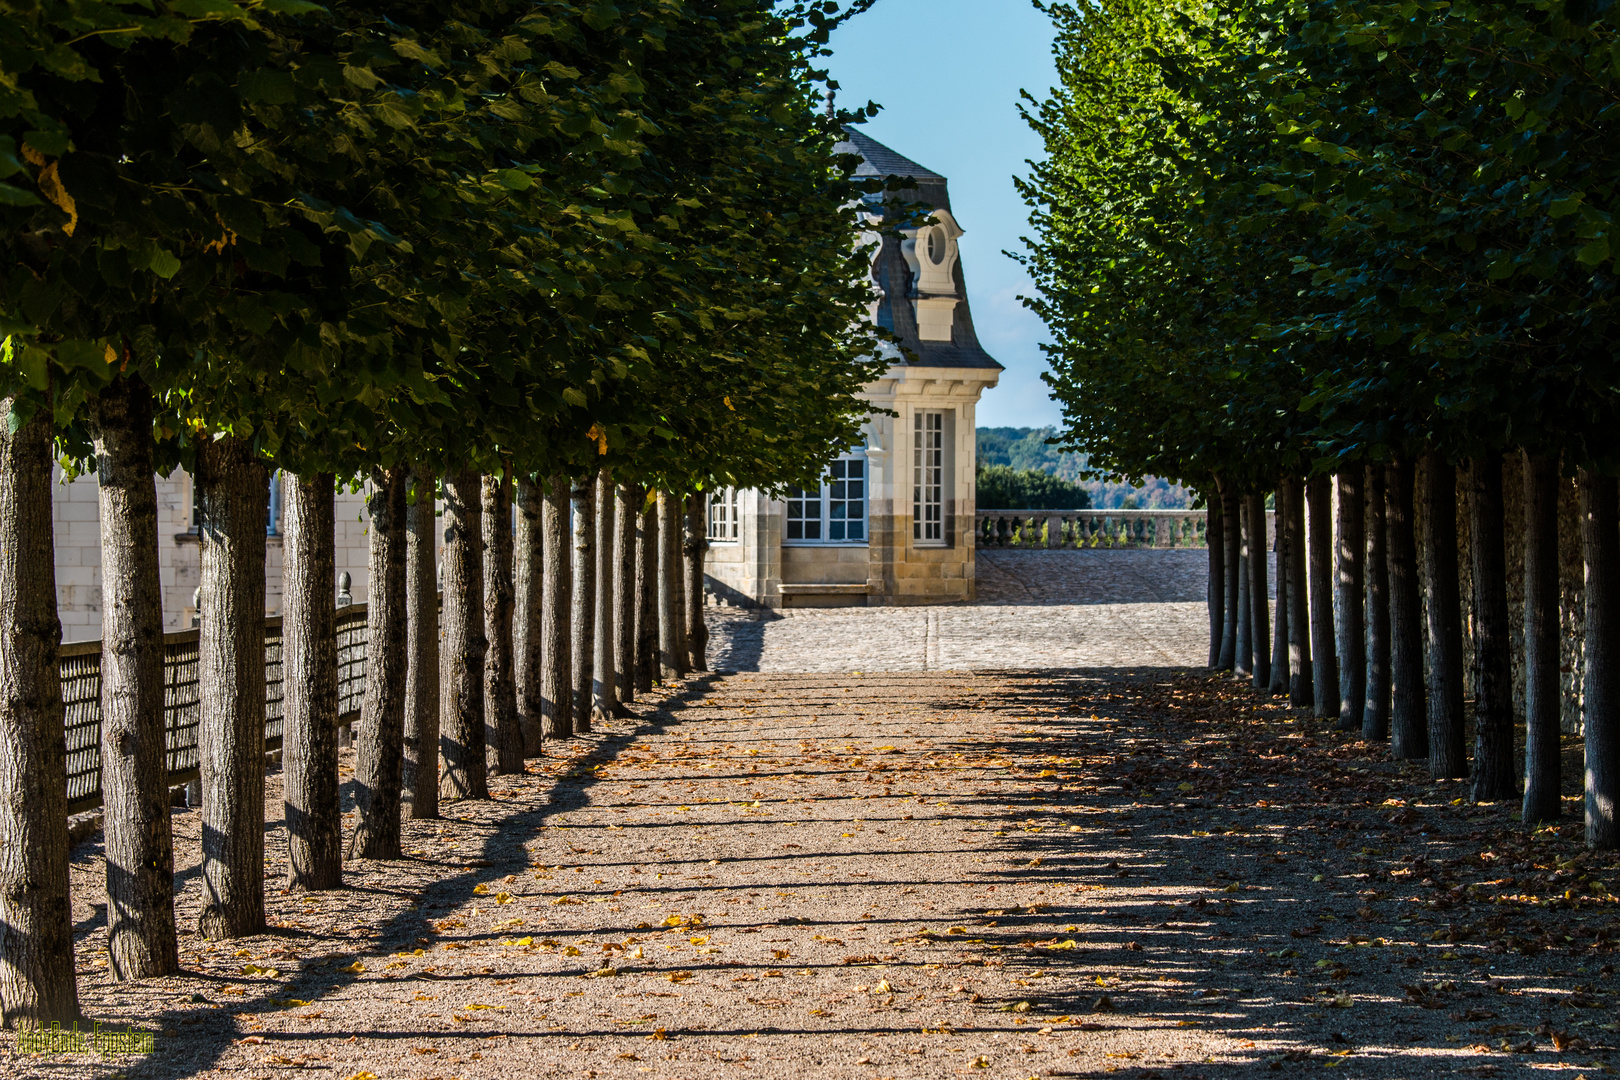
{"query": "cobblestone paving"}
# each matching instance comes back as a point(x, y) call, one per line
point(1036, 609)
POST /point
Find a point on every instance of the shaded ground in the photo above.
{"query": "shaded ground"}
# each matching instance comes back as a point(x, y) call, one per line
point(1128, 871)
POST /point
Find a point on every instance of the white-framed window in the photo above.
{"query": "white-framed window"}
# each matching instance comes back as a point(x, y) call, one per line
point(723, 522)
point(836, 512)
point(928, 478)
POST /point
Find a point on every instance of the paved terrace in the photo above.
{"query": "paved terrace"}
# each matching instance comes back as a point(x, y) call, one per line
point(1036, 609)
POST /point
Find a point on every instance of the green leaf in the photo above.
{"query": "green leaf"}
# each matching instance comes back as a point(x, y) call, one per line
point(163, 264)
point(268, 87)
point(516, 179)
point(574, 397)
point(1593, 253)
point(16, 196)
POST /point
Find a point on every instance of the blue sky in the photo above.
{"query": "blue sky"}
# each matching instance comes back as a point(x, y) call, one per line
point(948, 73)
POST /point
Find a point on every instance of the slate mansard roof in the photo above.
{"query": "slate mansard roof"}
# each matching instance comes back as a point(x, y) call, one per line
point(892, 275)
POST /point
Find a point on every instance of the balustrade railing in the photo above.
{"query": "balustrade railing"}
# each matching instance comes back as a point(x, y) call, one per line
point(81, 694)
point(1032, 529)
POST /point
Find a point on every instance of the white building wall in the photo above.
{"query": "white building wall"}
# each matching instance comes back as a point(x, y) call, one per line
point(76, 518)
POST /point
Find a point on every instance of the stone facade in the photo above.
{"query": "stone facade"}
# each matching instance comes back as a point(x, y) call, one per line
point(78, 553)
point(917, 467)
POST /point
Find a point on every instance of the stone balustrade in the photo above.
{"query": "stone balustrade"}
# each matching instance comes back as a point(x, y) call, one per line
point(1032, 529)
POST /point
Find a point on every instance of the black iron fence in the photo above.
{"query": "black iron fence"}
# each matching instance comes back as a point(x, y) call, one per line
point(81, 694)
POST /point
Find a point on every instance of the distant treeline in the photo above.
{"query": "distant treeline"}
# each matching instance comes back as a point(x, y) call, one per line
point(1021, 450)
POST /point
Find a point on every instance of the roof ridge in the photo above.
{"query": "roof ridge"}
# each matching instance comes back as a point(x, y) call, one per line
point(880, 160)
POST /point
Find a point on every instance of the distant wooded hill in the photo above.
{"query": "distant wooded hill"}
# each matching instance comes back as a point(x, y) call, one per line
point(1020, 449)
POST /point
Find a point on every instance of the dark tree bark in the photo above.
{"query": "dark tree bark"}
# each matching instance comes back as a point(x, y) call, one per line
point(1494, 774)
point(1232, 543)
point(500, 688)
point(462, 745)
point(1600, 544)
point(647, 548)
point(626, 508)
point(232, 487)
point(1215, 541)
point(677, 543)
point(1243, 659)
point(380, 750)
point(1351, 584)
point(1281, 671)
point(582, 638)
point(37, 981)
point(309, 668)
point(1408, 712)
point(1319, 544)
point(1291, 518)
point(1448, 750)
point(1375, 709)
point(1543, 697)
point(1259, 592)
point(556, 673)
point(528, 589)
point(141, 936)
point(670, 661)
point(604, 679)
point(697, 546)
point(421, 772)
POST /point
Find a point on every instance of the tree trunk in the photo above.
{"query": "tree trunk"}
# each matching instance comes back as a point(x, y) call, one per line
point(1543, 697)
point(1351, 626)
point(1600, 543)
point(582, 642)
point(1243, 660)
point(528, 590)
point(141, 935)
point(1259, 593)
point(556, 673)
point(232, 487)
point(1494, 774)
point(1448, 751)
point(37, 980)
point(379, 755)
point(421, 773)
point(604, 679)
point(625, 517)
point(462, 743)
point(670, 661)
point(1215, 541)
point(1281, 670)
point(677, 543)
point(647, 548)
point(1291, 517)
point(1375, 708)
point(500, 688)
point(1408, 713)
point(697, 545)
point(1324, 659)
point(1232, 543)
point(309, 670)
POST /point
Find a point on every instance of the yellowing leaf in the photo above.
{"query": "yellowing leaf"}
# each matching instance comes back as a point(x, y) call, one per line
point(699, 940)
point(883, 987)
point(356, 968)
point(569, 950)
point(480, 889)
point(503, 898)
point(678, 976)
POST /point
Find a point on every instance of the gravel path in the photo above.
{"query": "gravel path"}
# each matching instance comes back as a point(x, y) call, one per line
point(914, 875)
